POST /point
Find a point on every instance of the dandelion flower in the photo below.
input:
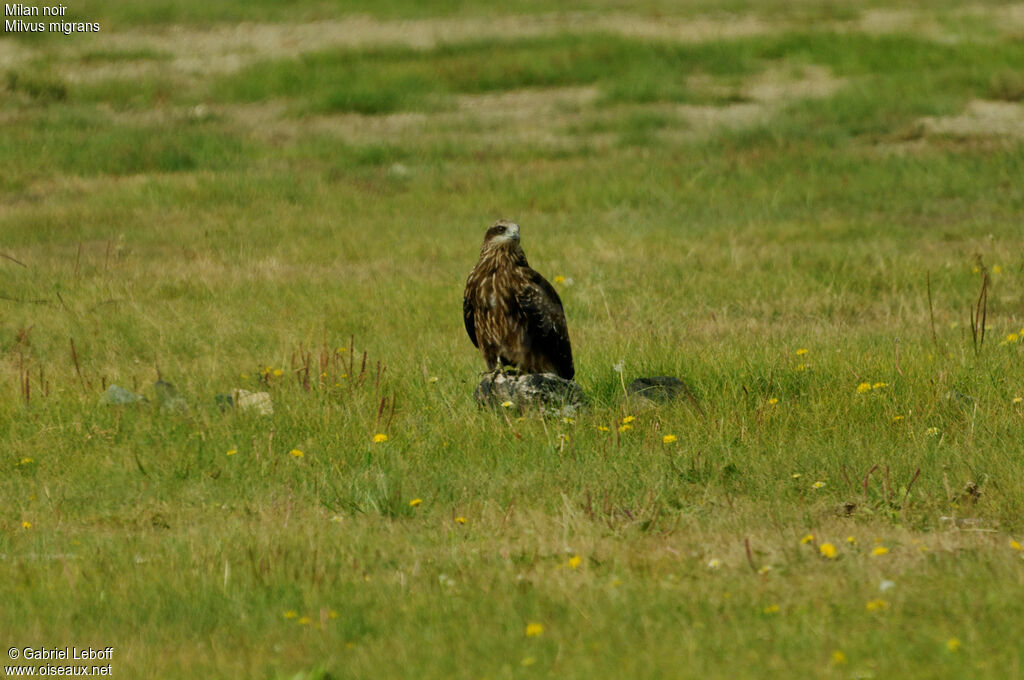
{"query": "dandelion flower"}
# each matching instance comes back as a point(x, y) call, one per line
point(668, 439)
point(806, 539)
point(414, 502)
point(953, 644)
point(876, 605)
point(332, 614)
point(625, 428)
point(802, 351)
point(26, 461)
point(460, 520)
point(795, 475)
point(764, 570)
point(1018, 400)
point(278, 372)
point(879, 385)
point(379, 438)
point(291, 614)
point(773, 401)
point(506, 404)
point(897, 419)
point(1011, 338)
point(295, 453)
point(880, 550)
point(838, 658)
point(602, 428)
point(771, 609)
point(818, 485)
point(828, 551)
point(568, 421)
point(864, 387)
point(534, 629)
point(628, 419)
point(714, 563)
point(558, 279)
point(1015, 545)
point(26, 525)
point(434, 378)
point(851, 540)
point(996, 269)
point(304, 621)
point(932, 432)
point(574, 562)
point(231, 452)
point(802, 367)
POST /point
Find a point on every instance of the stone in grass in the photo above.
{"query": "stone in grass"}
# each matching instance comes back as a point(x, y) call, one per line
point(116, 394)
point(662, 389)
point(260, 402)
point(554, 396)
point(169, 398)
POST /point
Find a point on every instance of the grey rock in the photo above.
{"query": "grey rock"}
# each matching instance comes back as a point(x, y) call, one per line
point(119, 395)
point(260, 402)
point(169, 398)
point(553, 395)
point(662, 389)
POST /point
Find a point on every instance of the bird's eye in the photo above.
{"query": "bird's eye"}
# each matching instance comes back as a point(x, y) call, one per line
point(501, 230)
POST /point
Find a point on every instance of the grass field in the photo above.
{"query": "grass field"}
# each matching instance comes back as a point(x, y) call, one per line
point(798, 208)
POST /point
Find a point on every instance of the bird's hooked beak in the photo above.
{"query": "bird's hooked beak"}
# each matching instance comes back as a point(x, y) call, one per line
point(513, 232)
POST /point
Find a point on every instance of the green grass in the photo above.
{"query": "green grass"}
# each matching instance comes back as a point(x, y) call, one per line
point(263, 229)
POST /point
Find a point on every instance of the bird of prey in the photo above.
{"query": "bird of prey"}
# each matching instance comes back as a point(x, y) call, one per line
point(511, 312)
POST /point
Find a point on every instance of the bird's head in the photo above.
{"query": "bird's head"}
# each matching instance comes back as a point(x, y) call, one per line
point(501, 233)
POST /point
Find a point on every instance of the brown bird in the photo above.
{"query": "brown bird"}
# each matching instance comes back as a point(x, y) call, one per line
point(511, 312)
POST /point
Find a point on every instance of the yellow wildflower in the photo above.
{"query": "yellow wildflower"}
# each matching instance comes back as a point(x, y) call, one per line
point(1018, 400)
point(953, 645)
point(559, 279)
point(996, 269)
point(668, 439)
point(828, 551)
point(818, 485)
point(838, 658)
point(932, 431)
point(434, 378)
point(795, 475)
point(624, 428)
point(773, 401)
point(231, 452)
point(26, 525)
point(278, 372)
point(296, 453)
point(897, 419)
point(714, 563)
point(1012, 337)
point(602, 428)
point(879, 550)
point(764, 570)
point(806, 539)
point(1015, 545)
point(802, 367)
point(534, 629)
point(529, 660)
point(802, 351)
point(879, 385)
point(574, 561)
point(460, 520)
point(506, 404)
point(568, 421)
point(379, 438)
point(876, 605)
point(864, 387)
point(414, 502)
point(305, 621)
point(332, 614)
point(771, 609)
point(628, 419)
point(291, 614)
point(851, 540)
